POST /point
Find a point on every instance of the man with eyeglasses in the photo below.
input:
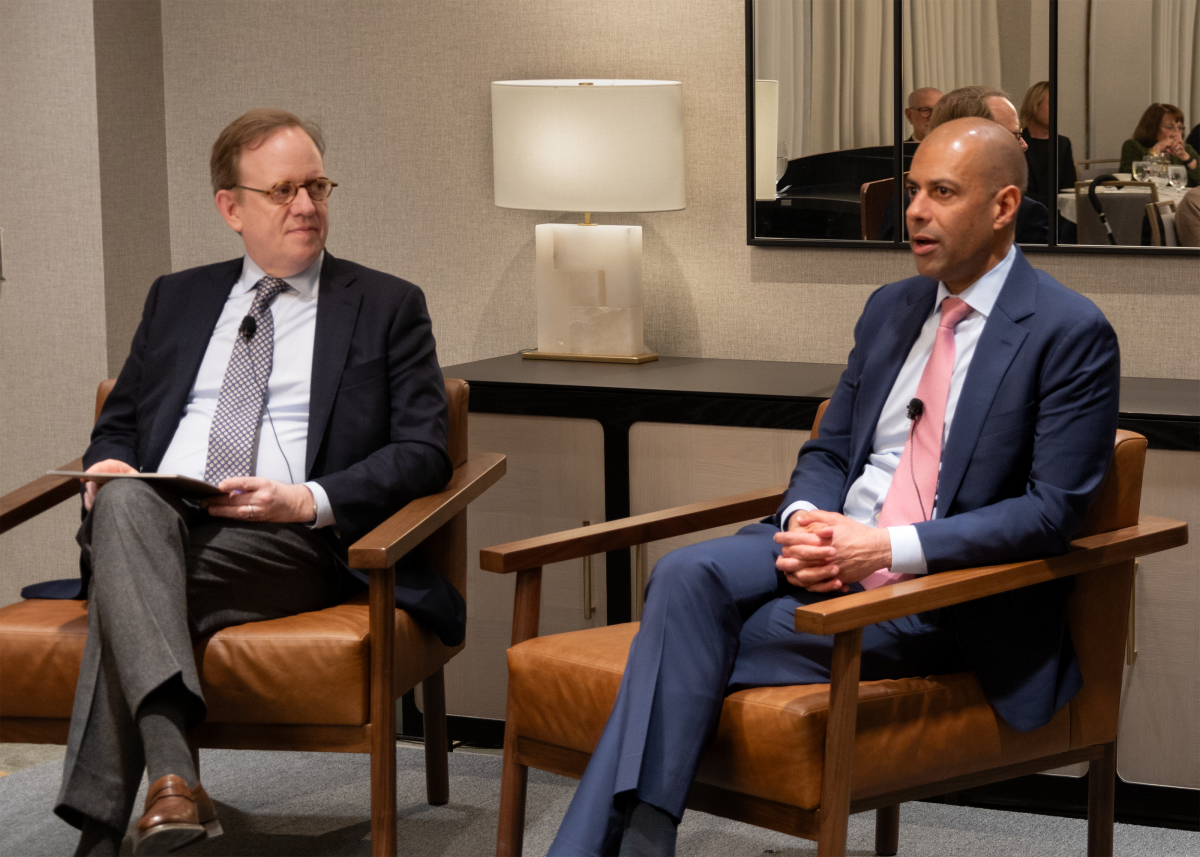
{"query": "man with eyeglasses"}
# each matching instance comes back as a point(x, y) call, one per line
point(919, 110)
point(307, 389)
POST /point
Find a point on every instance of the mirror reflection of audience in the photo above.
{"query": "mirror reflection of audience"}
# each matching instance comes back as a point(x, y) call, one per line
point(1160, 131)
point(1035, 120)
point(984, 102)
point(1187, 219)
point(919, 111)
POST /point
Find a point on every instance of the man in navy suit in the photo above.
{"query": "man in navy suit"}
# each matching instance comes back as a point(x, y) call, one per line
point(1024, 375)
point(308, 389)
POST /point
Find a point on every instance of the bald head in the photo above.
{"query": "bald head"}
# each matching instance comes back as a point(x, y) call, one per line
point(991, 151)
point(920, 109)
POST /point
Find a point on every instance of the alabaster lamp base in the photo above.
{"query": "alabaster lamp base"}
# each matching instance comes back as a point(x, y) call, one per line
point(589, 294)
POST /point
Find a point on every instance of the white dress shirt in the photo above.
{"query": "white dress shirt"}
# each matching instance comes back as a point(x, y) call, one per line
point(865, 499)
point(283, 430)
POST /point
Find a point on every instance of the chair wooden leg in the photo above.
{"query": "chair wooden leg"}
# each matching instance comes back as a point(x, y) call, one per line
point(1102, 792)
point(510, 838)
point(887, 830)
point(382, 612)
point(839, 743)
point(437, 741)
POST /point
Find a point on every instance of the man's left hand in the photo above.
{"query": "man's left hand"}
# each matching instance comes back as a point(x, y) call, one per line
point(858, 551)
point(252, 498)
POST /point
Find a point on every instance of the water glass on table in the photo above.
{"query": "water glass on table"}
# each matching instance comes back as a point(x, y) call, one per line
point(1177, 176)
point(1139, 171)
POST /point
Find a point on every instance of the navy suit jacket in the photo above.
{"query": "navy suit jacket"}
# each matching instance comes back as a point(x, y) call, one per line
point(1030, 443)
point(377, 422)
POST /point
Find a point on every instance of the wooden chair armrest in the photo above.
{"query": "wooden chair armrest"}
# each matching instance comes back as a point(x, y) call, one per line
point(929, 592)
point(386, 544)
point(625, 532)
point(30, 500)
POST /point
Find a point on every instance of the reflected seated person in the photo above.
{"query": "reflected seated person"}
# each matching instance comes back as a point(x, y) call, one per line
point(1033, 218)
point(1017, 377)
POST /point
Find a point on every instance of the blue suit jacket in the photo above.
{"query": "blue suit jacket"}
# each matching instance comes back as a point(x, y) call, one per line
point(377, 423)
point(1028, 448)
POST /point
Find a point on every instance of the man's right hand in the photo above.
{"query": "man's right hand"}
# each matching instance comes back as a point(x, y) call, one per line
point(110, 465)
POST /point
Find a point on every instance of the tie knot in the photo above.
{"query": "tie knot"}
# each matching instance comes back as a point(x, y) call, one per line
point(268, 287)
point(954, 310)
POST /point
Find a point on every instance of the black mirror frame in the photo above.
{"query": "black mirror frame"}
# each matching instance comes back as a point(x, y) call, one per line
point(898, 158)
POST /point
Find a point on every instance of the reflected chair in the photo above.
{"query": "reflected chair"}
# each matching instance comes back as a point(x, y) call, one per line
point(874, 199)
point(1089, 169)
point(326, 681)
point(1125, 212)
point(800, 759)
point(1162, 224)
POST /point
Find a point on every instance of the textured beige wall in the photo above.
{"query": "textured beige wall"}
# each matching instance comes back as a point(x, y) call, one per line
point(52, 342)
point(402, 93)
point(133, 162)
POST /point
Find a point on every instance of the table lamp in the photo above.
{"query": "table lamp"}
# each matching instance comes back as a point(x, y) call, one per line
point(588, 146)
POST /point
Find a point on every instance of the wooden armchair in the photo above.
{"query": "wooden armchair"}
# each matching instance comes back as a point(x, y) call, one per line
point(356, 659)
point(800, 759)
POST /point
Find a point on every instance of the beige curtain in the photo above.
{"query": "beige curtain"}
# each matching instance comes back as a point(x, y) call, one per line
point(781, 39)
point(833, 60)
point(951, 43)
point(1175, 63)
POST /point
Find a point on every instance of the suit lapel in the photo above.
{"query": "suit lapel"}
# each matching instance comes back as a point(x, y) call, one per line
point(998, 344)
point(337, 311)
point(205, 302)
point(885, 358)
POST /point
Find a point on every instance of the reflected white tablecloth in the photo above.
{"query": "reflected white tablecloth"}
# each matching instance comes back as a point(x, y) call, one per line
point(1066, 199)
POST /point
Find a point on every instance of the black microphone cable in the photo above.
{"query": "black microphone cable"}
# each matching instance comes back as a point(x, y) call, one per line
point(916, 408)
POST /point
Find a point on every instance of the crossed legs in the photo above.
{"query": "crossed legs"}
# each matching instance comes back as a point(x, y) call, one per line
point(718, 617)
point(163, 573)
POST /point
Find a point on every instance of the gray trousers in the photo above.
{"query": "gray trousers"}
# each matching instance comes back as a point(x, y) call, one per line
point(164, 573)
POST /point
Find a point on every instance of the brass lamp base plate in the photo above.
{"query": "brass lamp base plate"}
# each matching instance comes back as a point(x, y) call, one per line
point(589, 358)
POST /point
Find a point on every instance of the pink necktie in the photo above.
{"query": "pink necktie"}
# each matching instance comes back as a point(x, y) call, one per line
point(914, 485)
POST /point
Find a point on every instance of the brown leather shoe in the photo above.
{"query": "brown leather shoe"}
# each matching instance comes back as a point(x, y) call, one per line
point(171, 819)
point(206, 812)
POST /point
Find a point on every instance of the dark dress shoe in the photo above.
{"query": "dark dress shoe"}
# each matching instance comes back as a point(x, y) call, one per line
point(171, 819)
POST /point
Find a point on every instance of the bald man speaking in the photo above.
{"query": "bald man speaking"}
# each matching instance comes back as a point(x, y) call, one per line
point(973, 424)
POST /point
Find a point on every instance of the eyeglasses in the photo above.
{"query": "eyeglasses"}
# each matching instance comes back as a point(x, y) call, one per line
point(924, 111)
point(281, 193)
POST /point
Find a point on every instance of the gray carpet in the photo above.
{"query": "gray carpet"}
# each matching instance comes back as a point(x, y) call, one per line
point(318, 803)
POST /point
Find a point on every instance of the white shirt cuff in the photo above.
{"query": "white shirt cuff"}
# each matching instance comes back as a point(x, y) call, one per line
point(907, 556)
point(324, 510)
point(792, 509)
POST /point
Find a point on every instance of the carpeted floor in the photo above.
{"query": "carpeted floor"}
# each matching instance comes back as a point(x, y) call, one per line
point(316, 804)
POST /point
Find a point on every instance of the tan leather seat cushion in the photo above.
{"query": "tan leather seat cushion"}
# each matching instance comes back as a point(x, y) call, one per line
point(306, 669)
point(770, 741)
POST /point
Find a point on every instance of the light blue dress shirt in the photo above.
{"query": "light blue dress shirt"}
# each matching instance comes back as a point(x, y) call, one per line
point(865, 499)
point(282, 441)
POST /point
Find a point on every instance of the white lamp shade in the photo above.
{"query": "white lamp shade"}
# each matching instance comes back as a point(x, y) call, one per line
point(616, 145)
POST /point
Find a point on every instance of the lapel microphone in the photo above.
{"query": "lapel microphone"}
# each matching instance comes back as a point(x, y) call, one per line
point(915, 409)
point(249, 327)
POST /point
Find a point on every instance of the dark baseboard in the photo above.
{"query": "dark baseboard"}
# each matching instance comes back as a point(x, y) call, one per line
point(481, 732)
point(1046, 794)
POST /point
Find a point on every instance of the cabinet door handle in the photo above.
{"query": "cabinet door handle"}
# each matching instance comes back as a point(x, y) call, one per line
point(589, 609)
point(1131, 631)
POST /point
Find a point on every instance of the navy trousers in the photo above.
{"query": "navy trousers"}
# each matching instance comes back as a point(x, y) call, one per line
point(718, 618)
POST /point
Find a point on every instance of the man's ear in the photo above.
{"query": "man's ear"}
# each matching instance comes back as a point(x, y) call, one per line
point(1007, 202)
point(230, 207)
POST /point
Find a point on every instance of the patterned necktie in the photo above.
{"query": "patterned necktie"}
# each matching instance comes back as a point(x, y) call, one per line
point(914, 484)
point(243, 391)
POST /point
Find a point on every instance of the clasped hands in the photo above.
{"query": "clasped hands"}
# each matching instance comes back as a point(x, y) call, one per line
point(247, 498)
point(826, 552)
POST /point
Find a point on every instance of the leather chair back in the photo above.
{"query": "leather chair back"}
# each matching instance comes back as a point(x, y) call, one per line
point(817, 419)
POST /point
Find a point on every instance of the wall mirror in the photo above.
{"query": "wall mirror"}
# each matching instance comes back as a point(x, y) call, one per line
point(839, 95)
